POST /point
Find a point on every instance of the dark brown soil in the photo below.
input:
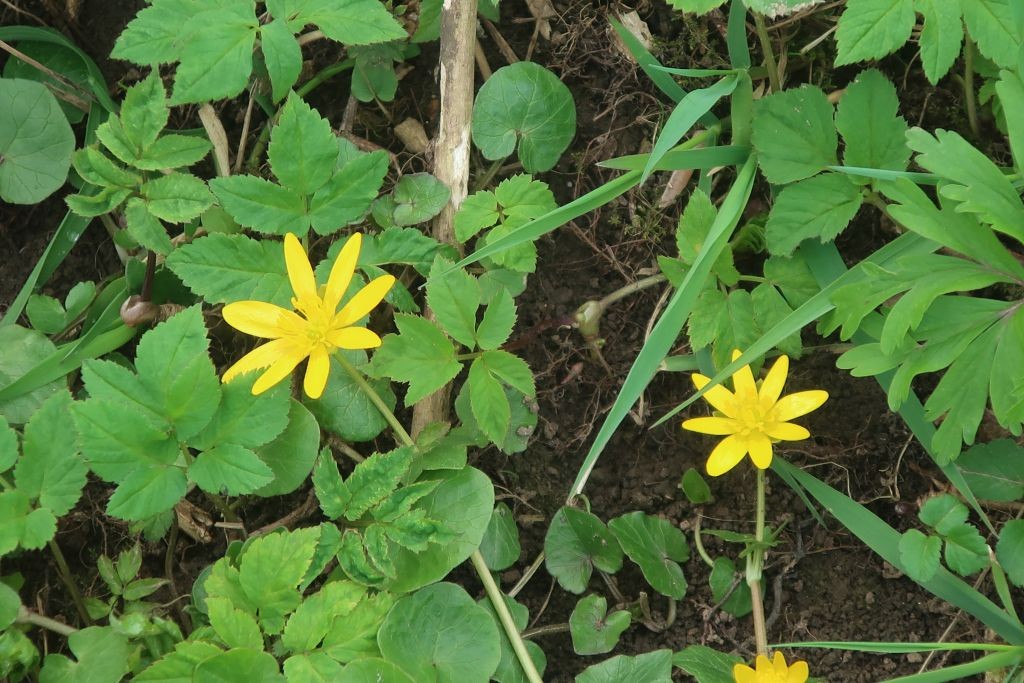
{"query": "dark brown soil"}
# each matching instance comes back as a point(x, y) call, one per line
point(823, 584)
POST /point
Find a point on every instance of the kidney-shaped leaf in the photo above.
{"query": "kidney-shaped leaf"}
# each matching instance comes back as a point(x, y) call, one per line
point(36, 142)
point(657, 546)
point(576, 542)
point(524, 102)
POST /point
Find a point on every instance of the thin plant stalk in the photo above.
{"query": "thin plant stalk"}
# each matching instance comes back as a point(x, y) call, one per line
point(755, 564)
point(970, 99)
point(769, 55)
point(65, 576)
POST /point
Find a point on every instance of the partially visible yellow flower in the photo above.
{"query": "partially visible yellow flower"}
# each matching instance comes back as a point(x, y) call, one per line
point(316, 329)
point(752, 419)
point(774, 671)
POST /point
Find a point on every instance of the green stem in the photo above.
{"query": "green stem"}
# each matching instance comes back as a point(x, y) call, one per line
point(755, 563)
point(769, 54)
point(505, 617)
point(631, 288)
point(472, 355)
point(377, 401)
point(27, 617)
point(698, 543)
point(970, 99)
point(492, 170)
point(225, 510)
point(65, 576)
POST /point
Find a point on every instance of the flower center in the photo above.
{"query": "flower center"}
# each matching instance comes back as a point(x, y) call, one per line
point(753, 418)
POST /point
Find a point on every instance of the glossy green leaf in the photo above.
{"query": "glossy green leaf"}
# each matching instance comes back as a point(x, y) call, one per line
point(345, 409)
point(524, 104)
point(509, 669)
point(36, 142)
point(439, 633)
point(652, 667)
point(729, 588)
point(101, 653)
point(292, 453)
point(1010, 550)
point(593, 630)
point(244, 419)
point(657, 546)
point(500, 545)
point(994, 470)
point(695, 487)
point(576, 543)
point(705, 664)
point(418, 198)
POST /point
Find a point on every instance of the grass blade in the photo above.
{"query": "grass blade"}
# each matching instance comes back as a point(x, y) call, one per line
point(649, 64)
point(680, 159)
point(671, 322)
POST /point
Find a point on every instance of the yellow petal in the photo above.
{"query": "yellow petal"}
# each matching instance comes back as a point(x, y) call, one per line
point(316, 372)
point(712, 425)
point(354, 338)
point(364, 301)
point(786, 431)
point(801, 403)
point(258, 358)
point(763, 664)
point(743, 380)
point(300, 272)
point(744, 674)
point(798, 673)
point(774, 381)
point(281, 369)
point(261, 319)
point(720, 398)
point(726, 455)
point(760, 450)
point(341, 272)
point(779, 664)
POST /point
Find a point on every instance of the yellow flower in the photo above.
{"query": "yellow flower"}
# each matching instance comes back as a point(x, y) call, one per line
point(774, 671)
point(752, 419)
point(315, 330)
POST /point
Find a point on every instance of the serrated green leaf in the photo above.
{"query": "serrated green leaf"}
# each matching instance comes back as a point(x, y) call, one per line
point(282, 55)
point(348, 194)
point(692, 231)
point(919, 554)
point(657, 546)
point(218, 61)
point(98, 204)
point(173, 363)
point(233, 626)
point(770, 309)
point(1010, 550)
point(941, 36)
point(497, 323)
point(147, 491)
point(94, 167)
point(524, 104)
point(176, 197)
point(112, 135)
point(454, 298)
point(313, 619)
point(45, 314)
point(375, 479)
point(102, 657)
point(144, 111)
point(966, 551)
point(172, 151)
point(244, 419)
point(229, 468)
point(345, 409)
point(270, 571)
point(439, 633)
point(994, 470)
point(477, 211)
point(977, 183)
point(353, 22)
point(500, 545)
point(227, 268)
point(261, 204)
point(258, 667)
point(155, 34)
point(652, 667)
point(8, 446)
point(511, 370)
point(50, 470)
point(943, 513)
point(420, 355)
point(870, 29)
point(36, 142)
point(725, 322)
point(868, 119)
point(992, 27)
point(302, 148)
point(593, 630)
point(418, 198)
point(373, 75)
point(794, 135)
point(820, 207)
point(488, 402)
point(117, 439)
point(145, 228)
point(575, 543)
